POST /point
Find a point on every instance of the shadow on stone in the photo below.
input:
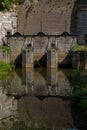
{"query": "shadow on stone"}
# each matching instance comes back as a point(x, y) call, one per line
point(67, 62)
point(73, 27)
point(18, 61)
point(42, 62)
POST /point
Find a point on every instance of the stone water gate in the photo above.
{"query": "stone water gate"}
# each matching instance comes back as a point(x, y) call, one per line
point(39, 45)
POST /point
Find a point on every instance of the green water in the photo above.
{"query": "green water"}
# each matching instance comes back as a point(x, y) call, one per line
point(39, 99)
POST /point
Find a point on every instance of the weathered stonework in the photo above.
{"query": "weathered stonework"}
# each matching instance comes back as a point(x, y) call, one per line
point(82, 26)
point(27, 59)
point(16, 45)
point(8, 106)
point(40, 45)
point(52, 14)
point(8, 23)
point(54, 20)
point(79, 60)
point(52, 57)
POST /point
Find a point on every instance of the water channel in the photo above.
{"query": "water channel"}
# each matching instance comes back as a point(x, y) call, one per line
point(37, 100)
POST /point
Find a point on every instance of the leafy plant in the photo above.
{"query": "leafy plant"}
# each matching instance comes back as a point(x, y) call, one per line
point(5, 48)
point(77, 47)
point(31, 6)
point(79, 93)
point(7, 4)
point(5, 67)
point(27, 49)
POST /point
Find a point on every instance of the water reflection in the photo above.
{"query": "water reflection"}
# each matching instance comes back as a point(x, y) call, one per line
point(37, 98)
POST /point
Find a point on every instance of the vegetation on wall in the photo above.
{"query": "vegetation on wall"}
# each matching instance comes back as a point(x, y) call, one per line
point(77, 47)
point(8, 4)
point(32, 5)
point(5, 48)
point(5, 67)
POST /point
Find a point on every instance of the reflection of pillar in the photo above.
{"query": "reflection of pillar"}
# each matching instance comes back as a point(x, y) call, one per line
point(40, 84)
point(52, 81)
point(27, 78)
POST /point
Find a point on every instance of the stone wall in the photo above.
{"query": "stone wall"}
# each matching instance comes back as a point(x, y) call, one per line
point(82, 26)
point(8, 106)
point(65, 45)
point(8, 23)
point(52, 14)
point(40, 47)
point(79, 60)
point(54, 17)
point(16, 45)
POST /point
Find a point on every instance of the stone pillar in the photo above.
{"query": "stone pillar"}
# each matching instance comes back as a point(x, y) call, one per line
point(49, 44)
point(75, 60)
point(28, 80)
point(56, 43)
point(86, 65)
point(52, 58)
point(85, 61)
point(27, 59)
point(32, 43)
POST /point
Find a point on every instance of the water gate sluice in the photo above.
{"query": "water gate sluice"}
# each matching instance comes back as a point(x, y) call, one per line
point(44, 50)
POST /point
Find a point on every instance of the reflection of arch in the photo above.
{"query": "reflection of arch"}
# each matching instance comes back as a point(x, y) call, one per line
point(43, 97)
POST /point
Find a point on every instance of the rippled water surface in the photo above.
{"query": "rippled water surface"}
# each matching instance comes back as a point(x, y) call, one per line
point(37, 100)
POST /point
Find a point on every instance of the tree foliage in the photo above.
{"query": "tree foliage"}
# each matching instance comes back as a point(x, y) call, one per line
point(79, 92)
point(7, 4)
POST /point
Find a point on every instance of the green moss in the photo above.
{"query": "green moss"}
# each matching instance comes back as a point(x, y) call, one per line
point(53, 47)
point(32, 5)
point(5, 67)
point(4, 75)
point(5, 48)
point(77, 47)
point(27, 49)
